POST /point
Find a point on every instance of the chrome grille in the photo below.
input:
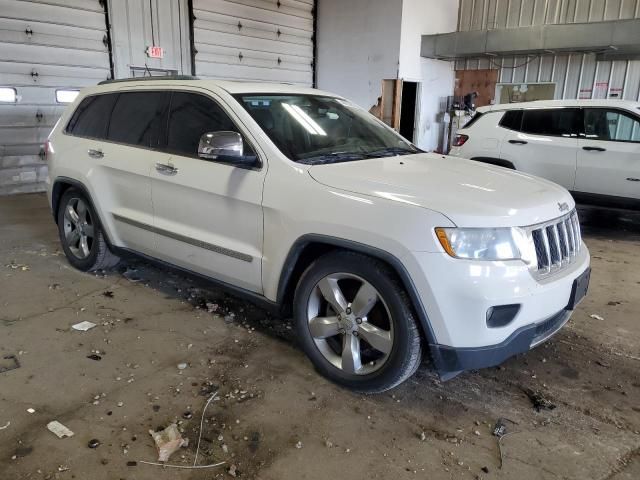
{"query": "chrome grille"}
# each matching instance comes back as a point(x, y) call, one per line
point(556, 243)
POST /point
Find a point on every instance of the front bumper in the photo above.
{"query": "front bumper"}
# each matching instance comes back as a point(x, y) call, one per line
point(457, 295)
point(450, 361)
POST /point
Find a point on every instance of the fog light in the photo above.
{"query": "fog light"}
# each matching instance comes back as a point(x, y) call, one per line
point(501, 315)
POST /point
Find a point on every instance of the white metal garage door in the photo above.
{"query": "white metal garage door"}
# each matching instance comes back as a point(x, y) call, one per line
point(45, 46)
point(260, 40)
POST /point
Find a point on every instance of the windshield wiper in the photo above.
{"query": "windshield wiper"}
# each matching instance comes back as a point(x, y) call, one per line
point(390, 151)
point(334, 157)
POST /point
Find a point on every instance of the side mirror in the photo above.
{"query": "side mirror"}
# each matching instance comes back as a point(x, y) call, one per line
point(220, 144)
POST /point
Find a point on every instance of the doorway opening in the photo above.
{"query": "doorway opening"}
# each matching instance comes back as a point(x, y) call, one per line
point(408, 110)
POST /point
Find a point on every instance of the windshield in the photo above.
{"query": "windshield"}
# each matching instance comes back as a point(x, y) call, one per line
point(314, 129)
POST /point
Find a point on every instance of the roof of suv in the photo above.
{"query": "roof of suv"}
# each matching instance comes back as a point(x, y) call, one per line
point(629, 105)
point(232, 87)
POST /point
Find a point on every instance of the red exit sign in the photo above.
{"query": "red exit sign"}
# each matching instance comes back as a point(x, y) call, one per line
point(155, 52)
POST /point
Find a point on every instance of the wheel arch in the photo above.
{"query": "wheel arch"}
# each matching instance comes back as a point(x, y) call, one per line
point(309, 247)
point(60, 186)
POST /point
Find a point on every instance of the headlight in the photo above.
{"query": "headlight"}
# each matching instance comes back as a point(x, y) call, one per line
point(485, 243)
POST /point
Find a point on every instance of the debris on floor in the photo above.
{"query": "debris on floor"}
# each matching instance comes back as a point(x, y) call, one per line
point(596, 317)
point(59, 429)
point(83, 326)
point(18, 266)
point(500, 428)
point(132, 275)
point(9, 362)
point(5, 426)
point(168, 441)
point(95, 357)
point(538, 400)
point(93, 443)
point(31, 410)
point(107, 294)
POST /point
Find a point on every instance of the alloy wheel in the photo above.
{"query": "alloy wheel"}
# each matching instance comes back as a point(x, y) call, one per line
point(350, 323)
point(78, 228)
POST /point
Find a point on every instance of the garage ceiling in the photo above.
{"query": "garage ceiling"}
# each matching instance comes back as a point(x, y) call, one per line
point(44, 46)
point(254, 40)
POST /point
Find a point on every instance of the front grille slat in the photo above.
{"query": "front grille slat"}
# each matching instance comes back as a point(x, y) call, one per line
point(556, 240)
point(565, 236)
point(547, 250)
point(556, 243)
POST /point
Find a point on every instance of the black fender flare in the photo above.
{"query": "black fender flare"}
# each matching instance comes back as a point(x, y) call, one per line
point(399, 268)
point(56, 195)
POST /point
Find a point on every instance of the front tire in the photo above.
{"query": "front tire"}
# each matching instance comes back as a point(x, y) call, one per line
point(81, 234)
point(355, 322)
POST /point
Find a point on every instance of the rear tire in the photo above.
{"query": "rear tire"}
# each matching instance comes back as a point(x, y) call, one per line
point(81, 234)
point(355, 323)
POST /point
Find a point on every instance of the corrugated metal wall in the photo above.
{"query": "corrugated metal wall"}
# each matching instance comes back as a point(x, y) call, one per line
point(262, 40)
point(491, 14)
point(45, 45)
point(575, 75)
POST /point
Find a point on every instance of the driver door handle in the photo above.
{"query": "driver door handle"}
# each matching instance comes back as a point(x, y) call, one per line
point(631, 179)
point(594, 149)
point(166, 169)
point(518, 142)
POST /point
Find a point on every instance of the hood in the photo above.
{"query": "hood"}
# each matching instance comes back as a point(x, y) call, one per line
point(470, 193)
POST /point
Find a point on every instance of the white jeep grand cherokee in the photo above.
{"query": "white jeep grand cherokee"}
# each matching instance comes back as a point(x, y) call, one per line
point(303, 202)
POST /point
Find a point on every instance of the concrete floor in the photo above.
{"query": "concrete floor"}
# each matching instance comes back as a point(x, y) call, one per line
point(271, 398)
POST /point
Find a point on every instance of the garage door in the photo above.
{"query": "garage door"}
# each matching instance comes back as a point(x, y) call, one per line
point(48, 49)
point(258, 40)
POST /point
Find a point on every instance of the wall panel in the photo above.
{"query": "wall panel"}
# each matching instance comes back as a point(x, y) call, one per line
point(481, 14)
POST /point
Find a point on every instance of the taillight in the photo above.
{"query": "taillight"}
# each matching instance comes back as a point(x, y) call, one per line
point(47, 149)
point(460, 140)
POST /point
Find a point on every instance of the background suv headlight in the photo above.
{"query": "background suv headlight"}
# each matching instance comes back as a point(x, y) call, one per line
point(490, 244)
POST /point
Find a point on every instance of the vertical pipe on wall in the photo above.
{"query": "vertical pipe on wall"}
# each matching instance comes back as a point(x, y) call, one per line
point(545, 12)
point(595, 78)
point(626, 78)
point(495, 14)
point(485, 15)
point(566, 77)
point(613, 65)
point(584, 56)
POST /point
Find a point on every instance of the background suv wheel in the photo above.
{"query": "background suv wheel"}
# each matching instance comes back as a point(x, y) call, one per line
point(81, 234)
point(355, 322)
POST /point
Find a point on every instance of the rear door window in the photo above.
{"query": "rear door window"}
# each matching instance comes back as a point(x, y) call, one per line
point(139, 118)
point(91, 118)
point(558, 122)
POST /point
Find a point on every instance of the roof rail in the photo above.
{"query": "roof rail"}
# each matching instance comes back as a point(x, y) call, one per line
point(159, 77)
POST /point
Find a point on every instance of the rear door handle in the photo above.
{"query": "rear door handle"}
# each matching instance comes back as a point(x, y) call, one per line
point(518, 142)
point(95, 153)
point(631, 179)
point(166, 169)
point(594, 149)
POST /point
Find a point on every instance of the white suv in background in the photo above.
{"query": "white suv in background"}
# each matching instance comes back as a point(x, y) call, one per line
point(590, 147)
point(306, 204)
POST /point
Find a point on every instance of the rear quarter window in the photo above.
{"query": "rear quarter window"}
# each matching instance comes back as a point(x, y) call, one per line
point(91, 118)
point(512, 119)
